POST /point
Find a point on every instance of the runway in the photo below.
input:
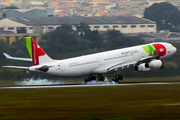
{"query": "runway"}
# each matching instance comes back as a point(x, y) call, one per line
point(84, 85)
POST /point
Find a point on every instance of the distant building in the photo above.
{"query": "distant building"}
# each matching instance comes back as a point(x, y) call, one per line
point(14, 13)
point(99, 13)
point(126, 24)
point(12, 38)
point(18, 3)
point(165, 35)
point(151, 2)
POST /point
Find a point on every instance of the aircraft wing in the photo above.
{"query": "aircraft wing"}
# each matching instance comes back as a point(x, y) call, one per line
point(128, 64)
point(16, 58)
point(123, 65)
point(114, 66)
point(148, 59)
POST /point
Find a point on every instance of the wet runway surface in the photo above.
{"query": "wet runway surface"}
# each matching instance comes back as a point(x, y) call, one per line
point(95, 84)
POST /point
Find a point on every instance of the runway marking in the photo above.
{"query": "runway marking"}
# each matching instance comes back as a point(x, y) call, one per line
point(83, 85)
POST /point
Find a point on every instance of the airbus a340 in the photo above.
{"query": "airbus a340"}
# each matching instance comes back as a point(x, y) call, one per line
point(142, 58)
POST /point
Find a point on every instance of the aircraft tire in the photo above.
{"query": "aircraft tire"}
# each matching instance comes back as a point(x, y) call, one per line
point(162, 67)
point(86, 80)
point(93, 78)
point(119, 77)
point(101, 78)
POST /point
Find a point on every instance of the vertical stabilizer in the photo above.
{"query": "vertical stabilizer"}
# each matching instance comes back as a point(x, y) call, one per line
point(38, 56)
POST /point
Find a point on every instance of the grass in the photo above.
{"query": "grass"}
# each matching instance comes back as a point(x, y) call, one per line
point(92, 103)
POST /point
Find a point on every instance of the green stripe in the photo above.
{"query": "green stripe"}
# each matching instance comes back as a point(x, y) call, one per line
point(28, 45)
point(150, 49)
point(151, 52)
point(146, 48)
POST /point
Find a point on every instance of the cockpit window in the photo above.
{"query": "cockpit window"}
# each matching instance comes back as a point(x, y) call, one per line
point(161, 49)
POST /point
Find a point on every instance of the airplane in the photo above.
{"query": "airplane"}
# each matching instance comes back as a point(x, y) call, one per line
point(142, 58)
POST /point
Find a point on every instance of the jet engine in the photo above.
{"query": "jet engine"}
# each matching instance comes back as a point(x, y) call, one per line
point(44, 68)
point(154, 64)
point(141, 67)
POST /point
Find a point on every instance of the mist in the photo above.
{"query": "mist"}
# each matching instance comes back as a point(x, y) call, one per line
point(99, 82)
point(39, 82)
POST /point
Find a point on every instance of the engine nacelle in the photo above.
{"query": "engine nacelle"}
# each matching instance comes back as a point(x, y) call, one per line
point(44, 68)
point(154, 64)
point(141, 67)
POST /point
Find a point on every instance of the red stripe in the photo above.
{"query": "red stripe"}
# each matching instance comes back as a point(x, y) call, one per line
point(36, 52)
point(161, 49)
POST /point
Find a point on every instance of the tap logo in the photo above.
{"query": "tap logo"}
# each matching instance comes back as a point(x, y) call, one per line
point(34, 50)
point(161, 50)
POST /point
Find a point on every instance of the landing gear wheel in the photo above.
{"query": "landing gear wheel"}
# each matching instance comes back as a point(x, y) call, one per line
point(162, 67)
point(118, 77)
point(27, 78)
point(101, 78)
point(93, 78)
point(86, 80)
point(90, 78)
point(121, 77)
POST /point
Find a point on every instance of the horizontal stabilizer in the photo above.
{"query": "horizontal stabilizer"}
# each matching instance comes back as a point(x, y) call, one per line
point(16, 58)
point(21, 67)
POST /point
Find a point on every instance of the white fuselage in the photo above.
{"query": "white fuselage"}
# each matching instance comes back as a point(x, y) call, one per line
point(99, 62)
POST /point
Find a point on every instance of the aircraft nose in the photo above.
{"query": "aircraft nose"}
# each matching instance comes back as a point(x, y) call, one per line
point(174, 50)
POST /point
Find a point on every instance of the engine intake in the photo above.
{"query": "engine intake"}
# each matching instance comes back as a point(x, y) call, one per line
point(141, 67)
point(154, 64)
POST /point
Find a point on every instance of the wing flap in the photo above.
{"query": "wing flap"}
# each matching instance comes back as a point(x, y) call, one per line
point(121, 66)
point(16, 58)
point(113, 66)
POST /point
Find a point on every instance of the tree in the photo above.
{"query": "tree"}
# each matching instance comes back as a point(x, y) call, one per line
point(63, 39)
point(83, 29)
point(114, 39)
point(11, 7)
point(3, 47)
point(18, 49)
point(165, 15)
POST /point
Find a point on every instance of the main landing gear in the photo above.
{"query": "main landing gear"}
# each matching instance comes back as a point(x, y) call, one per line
point(118, 78)
point(101, 77)
point(93, 78)
point(90, 78)
point(27, 78)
